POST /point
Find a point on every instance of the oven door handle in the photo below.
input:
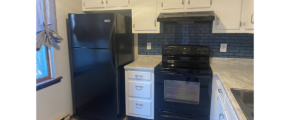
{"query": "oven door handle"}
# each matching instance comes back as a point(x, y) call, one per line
point(180, 74)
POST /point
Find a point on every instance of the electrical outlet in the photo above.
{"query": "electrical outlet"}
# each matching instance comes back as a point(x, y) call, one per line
point(223, 47)
point(149, 46)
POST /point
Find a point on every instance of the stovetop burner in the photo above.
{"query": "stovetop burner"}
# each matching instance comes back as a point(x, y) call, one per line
point(185, 59)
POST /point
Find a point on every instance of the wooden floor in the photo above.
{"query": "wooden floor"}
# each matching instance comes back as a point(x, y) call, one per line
point(126, 118)
point(133, 118)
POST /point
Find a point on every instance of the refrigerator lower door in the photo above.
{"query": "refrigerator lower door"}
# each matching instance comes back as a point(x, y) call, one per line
point(94, 84)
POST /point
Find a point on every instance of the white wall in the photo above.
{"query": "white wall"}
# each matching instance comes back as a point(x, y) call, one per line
point(56, 100)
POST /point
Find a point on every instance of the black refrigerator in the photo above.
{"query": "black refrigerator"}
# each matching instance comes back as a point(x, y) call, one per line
point(99, 47)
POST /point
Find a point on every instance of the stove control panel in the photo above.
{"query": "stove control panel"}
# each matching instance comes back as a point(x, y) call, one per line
point(185, 50)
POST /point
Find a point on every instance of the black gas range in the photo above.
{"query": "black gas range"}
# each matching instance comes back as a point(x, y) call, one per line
point(183, 82)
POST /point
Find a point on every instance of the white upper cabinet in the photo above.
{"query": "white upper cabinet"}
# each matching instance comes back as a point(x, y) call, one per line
point(172, 4)
point(93, 4)
point(195, 4)
point(248, 14)
point(144, 16)
point(101, 5)
point(234, 16)
point(117, 3)
point(228, 14)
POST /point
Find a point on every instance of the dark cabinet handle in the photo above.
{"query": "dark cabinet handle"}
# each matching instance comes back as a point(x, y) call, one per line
point(220, 90)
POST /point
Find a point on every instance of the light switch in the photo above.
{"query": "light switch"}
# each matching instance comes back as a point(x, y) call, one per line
point(223, 47)
point(149, 46)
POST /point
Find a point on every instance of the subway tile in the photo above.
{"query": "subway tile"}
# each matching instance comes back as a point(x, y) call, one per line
point(234, 44)
point(219, 41)
point(230, 41)
point(235, 38)
point(234, 51)
point(213, 44)
point(228, 53)
point(240, 54)
point(150, 53)
point(241, 34)
point(234, 56)
point(245, 51)
point(249, 54)
point(240, 48)
point(224, 56)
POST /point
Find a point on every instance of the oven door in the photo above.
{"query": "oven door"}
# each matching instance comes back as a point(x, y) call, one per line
point(182, 97)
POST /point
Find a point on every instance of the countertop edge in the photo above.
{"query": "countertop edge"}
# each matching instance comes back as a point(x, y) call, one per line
point(231, 100)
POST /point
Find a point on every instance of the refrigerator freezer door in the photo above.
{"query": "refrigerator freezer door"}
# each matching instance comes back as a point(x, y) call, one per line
point(91, 30)
point(94, 84)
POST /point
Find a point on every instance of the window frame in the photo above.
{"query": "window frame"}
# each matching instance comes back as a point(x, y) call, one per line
point(50, 79)
point(49, 66)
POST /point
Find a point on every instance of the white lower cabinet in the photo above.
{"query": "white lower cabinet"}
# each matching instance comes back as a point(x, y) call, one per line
point(139, 93)
point(139, 89)
point(221, 108)
point(140, 107)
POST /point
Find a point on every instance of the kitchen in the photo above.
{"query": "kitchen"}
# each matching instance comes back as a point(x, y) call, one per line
point(233, 66)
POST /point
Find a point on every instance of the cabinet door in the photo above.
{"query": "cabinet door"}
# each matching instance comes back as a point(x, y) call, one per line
point(199, 4)
point(228, 14)
point(140, 107)
point(220, 111)
point(117, 3)
point(173, 4)
point(248, 14)
point(90, 4)
point(145, 15)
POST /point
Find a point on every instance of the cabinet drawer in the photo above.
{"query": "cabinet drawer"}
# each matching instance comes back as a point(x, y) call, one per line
point(221, 90)
point(139, 75)
point(139, 89)
point(220, 110)
point(139, 107)
point(229, 110)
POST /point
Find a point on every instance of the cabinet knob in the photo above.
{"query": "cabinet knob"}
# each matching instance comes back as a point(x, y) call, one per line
point(221, 114)
point(139, 86)
point(252, 19)
point(217, 20)
point(139, 104)
point(188, 1)
point(138, 76)
point(220, 90)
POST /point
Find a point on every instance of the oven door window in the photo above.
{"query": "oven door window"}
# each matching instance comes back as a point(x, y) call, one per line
point(181, 91)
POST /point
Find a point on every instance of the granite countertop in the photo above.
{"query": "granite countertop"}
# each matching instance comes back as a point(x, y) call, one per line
point(144, 62)
point(233, 72)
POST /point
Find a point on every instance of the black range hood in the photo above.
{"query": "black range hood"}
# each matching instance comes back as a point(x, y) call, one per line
point(205, 16)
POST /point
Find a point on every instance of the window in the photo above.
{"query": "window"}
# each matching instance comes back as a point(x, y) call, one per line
point(45, 13)
point(43, 70)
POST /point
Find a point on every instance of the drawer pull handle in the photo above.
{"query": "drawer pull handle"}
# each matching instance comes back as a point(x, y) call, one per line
point(220, 90)
point(139, 86)
point(220, 116)
point(138, 75)
point(139, 104)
